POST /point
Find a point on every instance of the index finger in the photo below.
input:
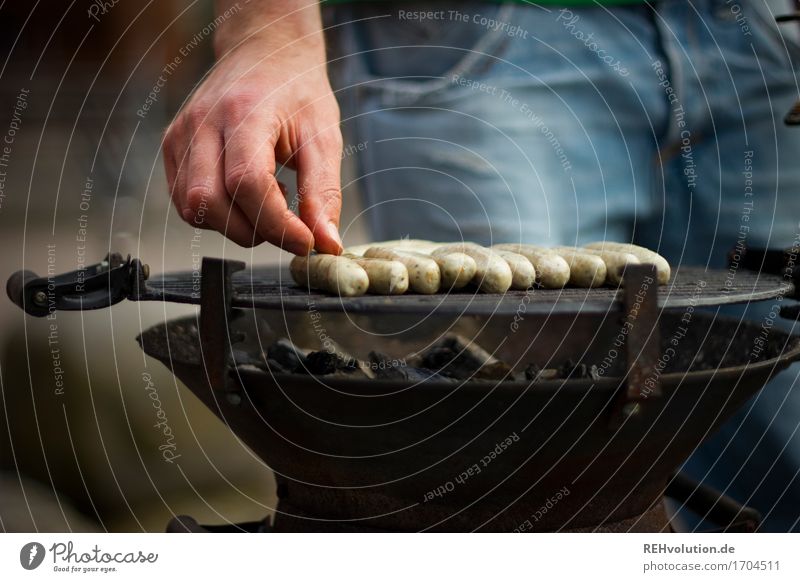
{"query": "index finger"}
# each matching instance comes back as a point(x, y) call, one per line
point(250, 181)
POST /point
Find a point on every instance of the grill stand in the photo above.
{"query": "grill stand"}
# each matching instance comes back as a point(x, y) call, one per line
point(719, 509)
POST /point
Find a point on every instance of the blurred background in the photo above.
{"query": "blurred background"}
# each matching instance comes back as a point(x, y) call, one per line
point(82, 115)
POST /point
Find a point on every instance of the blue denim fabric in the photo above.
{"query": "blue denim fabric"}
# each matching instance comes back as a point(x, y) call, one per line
point(537, 124)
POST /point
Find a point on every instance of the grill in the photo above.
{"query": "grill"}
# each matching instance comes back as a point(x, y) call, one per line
point(272, 288)
point(571, 454)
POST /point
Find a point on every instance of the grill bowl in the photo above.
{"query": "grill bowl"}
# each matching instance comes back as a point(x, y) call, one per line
point(372, 452)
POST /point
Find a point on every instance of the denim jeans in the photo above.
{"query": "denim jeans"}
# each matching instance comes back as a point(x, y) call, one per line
point(662, 126)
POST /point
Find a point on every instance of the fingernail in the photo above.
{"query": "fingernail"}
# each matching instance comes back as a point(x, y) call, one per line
point(333, 232)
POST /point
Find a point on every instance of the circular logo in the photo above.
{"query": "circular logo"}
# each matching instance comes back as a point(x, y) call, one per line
point(31, 555)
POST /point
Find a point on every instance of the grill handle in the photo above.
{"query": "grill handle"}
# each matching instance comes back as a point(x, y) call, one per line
point(783, 262)
point(16, 284)
point(93, 287)
point(712, 505)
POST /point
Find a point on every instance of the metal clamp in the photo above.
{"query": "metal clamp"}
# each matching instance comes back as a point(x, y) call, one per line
point(100, 285)
point(642, 344)
point(216, 293)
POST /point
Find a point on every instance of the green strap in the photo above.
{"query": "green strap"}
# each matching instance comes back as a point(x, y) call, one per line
point(542, 2)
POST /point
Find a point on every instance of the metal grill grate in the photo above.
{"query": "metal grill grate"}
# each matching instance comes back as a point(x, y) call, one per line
point(273, 288)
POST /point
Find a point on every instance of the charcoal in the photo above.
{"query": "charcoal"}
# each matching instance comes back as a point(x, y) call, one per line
point(456, 357)
point(276, 367)
point(594, 373)
point(571, 370)
point(535, 373)
point(287, 355)
point(323, 363)
point(387, 368)
point(363, 367)
point(532, 372)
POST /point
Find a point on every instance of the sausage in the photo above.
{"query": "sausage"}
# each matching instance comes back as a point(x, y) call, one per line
point(330, 273)
point(409, 244)
point(644, 255)
point(552, 270)
point(523, 274)
point(585, 269)
point(423, 271)
point(385, 277)
point(616, 263)
point(457, 270)
point(492, 273)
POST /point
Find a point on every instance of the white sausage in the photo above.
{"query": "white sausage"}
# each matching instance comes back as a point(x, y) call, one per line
point(552, 271)
point(385, 277)
point(523, 274)
point(616, 263)
point(644, 255)
point(423, 271)
point(585, 270)
point(457, 270)
point(330, 273)
point(492, 273)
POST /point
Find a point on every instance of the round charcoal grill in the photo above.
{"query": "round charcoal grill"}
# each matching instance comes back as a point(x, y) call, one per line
point(357, 454)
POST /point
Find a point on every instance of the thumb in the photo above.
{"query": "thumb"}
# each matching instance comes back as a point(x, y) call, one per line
point(319, 188)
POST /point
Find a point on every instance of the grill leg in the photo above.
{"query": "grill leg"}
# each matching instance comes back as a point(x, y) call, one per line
point(724, 512)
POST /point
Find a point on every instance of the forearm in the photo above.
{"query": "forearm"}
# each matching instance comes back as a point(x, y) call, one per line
point(275, 23)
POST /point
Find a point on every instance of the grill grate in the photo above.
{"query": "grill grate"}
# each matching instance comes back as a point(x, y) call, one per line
point(273, 288)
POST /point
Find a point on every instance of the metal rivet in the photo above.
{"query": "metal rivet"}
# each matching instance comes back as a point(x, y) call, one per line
point(234, 398)
point(145, 271)
point(40, 298)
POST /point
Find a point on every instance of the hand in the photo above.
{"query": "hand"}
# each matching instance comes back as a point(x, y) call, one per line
point(266, 102)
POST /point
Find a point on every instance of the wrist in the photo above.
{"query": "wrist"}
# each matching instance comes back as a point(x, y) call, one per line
point(291, 25)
